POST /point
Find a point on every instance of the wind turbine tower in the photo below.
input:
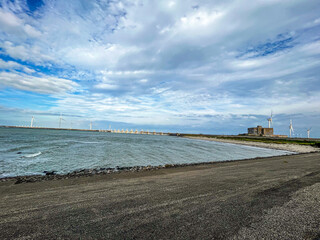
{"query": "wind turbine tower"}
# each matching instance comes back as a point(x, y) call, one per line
point(32, 120)
point(270, 120)
point(308, 132)
point(90, 125)
point(60, 119)
point(290, 128)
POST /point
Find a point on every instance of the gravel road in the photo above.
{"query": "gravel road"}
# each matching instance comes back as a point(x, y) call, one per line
point(271, 198)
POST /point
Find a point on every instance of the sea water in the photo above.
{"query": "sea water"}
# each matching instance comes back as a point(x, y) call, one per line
point(32, 151)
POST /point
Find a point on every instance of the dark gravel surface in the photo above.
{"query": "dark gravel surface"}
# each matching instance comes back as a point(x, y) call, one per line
point(271, 198)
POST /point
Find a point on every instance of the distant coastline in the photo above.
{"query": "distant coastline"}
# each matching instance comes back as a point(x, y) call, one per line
point(47, 128)
point(87, 130)
point(291, 147)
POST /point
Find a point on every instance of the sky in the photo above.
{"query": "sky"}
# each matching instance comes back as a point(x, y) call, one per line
point(211, 66)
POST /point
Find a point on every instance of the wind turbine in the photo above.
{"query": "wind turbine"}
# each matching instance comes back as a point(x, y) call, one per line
point(308, 132)
point(32, 120)
point(290, 128)
point(60, 119)
point(90, 125)
point(270, 120)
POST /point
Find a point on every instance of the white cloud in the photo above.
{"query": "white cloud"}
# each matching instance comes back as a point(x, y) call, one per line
point(9, 19)
point(126, 73)
point(143, 80)
point(14, 25)
point(43, 84)
point(32, 32)
point(96, 57)
point(14, 65)
point(27, 53)
point(106, 86)
point(199, 19)
point(171, 4)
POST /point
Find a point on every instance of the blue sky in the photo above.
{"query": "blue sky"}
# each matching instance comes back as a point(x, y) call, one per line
point(178, 66)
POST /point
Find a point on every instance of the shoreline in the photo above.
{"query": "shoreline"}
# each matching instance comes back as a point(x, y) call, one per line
point(52, 175)
point(295, 148)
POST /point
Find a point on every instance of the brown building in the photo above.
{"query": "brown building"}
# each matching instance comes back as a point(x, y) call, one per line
point(260, 131)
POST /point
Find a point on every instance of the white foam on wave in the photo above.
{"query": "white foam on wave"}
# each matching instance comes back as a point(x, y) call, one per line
point(86, 142)
point(32, 155)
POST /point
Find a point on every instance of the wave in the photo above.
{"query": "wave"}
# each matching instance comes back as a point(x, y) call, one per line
point(85, 142)
point(32, 155)
point(15, 149)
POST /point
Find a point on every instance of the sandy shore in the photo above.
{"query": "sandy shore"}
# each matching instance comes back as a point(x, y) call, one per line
point(286, 147)
point(270, 198)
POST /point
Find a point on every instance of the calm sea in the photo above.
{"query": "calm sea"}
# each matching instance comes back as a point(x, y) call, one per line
point(32, 151)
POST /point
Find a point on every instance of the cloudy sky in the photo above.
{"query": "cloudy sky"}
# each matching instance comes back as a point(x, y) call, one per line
point(211, 66)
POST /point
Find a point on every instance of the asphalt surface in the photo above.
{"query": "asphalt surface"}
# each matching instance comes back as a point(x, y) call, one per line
point(271, 198)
